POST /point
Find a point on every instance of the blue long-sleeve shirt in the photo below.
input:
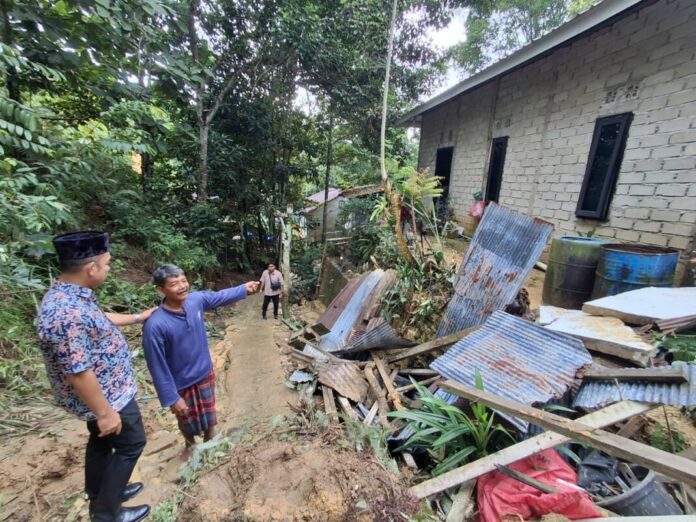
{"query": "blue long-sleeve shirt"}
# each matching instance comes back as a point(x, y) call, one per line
point(176, 344)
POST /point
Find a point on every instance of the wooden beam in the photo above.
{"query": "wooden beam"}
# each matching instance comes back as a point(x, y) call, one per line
point(423, 372)
point(329, 402)
point(431, 345)
point(409, 460)
point(392, 394)
point(425, 382)
point(631, 427)
point(668, 375)
point(661, 461)
point(463, 503)
point(605, 417)
point(347, 408)
point(379, 396)
point(371, 414)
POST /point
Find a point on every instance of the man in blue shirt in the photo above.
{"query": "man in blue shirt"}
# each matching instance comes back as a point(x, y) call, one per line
point(89, 366)
point(175, 342)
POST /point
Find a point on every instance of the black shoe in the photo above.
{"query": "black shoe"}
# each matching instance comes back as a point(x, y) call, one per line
point(264, 317)
point(131, 491)
point(133, 514)
point(275, 317)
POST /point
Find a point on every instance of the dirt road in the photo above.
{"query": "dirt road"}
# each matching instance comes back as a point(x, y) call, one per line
point(41, 476)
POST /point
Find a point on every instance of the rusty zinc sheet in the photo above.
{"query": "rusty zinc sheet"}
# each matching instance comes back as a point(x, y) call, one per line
point(516, 359)
point(380, 335)
point(346, 379)
point(502, 253)
point(597, 394)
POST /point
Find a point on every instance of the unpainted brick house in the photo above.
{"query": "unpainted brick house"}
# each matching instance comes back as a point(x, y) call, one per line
point(591, 127)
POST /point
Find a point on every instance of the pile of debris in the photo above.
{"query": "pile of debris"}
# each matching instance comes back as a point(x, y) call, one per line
point(588, 360)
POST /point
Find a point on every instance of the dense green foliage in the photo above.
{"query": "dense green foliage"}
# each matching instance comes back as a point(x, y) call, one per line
point(450, 436)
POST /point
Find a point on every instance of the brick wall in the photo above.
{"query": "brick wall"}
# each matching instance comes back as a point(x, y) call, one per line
point(644, 64)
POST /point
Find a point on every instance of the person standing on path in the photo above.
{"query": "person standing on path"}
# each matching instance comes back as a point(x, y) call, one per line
point(89, 366)
point(272, 285)
point(175, 342)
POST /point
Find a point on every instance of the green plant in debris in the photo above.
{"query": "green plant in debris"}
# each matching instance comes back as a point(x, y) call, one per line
point(450, 436)
point(681, 347)
point(659, 437)
point(167, 510)
point(374, 438)
point(419, 296)
point(590, 233)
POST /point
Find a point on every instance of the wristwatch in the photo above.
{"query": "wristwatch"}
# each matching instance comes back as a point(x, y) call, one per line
point(138, 318)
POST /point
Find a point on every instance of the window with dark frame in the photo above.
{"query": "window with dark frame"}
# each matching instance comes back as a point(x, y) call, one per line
point(495, 168)
point(603, 165)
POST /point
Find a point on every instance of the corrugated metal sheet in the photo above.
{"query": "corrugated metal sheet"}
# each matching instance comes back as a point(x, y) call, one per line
point(501, 255)
point(300, 376)
point(381, 336)
point(334, 310)
point(516, 359)
point(597, 394)
point(346, 379)
point(342, 329)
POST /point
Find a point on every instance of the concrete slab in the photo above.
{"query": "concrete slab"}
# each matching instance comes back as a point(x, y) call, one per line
point(646, 305)
point(548, 314)
point(607, 335)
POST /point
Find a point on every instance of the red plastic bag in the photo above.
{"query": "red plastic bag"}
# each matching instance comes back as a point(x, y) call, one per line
point(476, 209)
point(500, 495)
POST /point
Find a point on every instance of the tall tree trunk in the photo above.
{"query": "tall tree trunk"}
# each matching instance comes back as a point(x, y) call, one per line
point(204, 127)
point(147, 163)
point(327, 175)
point(12, 78)
point(393, 198)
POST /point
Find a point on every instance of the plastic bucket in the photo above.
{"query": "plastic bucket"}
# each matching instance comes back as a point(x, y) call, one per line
point(570, 275)
point(648, 497)
point(622, 268)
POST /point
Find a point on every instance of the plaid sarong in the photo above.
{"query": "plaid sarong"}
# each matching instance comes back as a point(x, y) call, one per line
point(200, 400)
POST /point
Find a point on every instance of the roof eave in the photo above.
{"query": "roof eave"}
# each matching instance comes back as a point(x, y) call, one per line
point(590, 20)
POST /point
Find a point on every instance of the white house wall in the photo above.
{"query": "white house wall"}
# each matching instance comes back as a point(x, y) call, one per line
point(645, 64)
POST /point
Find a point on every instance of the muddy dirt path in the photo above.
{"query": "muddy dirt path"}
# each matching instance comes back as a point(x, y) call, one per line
point(41, 473)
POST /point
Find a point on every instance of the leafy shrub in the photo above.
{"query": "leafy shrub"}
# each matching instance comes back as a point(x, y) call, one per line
point(450, 436)
point(305, 256)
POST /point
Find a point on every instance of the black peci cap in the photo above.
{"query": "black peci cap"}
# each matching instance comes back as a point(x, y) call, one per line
point(81, 245)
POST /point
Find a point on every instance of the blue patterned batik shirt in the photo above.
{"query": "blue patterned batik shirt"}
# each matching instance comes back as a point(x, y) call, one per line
point(75, 335)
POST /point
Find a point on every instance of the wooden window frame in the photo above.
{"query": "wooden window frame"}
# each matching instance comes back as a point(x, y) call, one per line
point(613, 169)
point(494, 141)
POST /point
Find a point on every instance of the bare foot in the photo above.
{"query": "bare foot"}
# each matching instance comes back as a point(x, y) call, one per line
point(186, 454)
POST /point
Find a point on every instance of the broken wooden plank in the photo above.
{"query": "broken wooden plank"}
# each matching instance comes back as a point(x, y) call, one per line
point(347, 408)
point(631, 427)
point(632, 451)
point(409, 460)
point(379, 396)
point(425, 382)
point(440, 342)
point(600, 418)
point(646, 305)
point(607, 335)
point(371, 414)
point(423, 372)
point(329, 402)
point(670, 375)
point(392, 394)
point(463, 503)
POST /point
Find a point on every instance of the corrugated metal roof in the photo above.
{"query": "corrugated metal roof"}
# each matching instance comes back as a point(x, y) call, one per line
point(501, 255)
point(346, 379)
point(381, 336)
point(334, 310)
point(516, 359)
point(597, 394)
point(318, 197)
point(582, 25)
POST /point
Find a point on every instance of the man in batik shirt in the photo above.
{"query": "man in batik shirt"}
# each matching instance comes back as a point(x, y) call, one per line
point(175, 342)
point(89, 367)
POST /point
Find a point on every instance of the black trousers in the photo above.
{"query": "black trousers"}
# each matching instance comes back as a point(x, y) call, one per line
point(109, 462)
point(267, 299)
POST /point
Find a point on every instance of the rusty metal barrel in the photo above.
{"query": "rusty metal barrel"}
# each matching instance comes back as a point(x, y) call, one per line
point(570, 276)
point(629, 267)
